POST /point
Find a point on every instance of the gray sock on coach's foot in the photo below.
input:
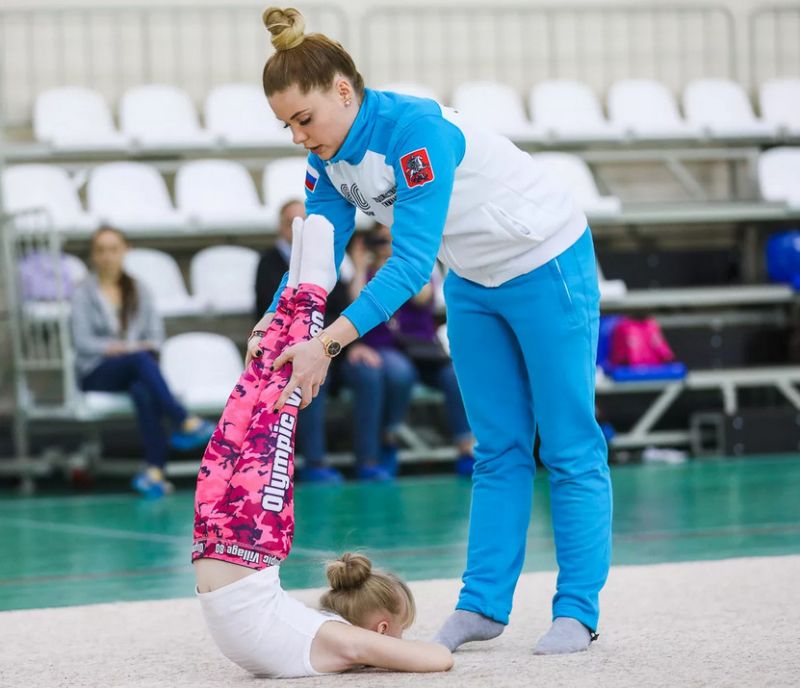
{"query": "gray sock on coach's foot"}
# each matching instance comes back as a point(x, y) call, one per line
point(565, 635)
point(463, 626)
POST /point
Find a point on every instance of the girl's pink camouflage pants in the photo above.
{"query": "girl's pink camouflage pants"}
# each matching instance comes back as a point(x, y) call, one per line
point(244, 503)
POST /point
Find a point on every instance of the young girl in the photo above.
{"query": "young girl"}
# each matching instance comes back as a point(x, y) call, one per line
point(244, 519)
point(522, 311)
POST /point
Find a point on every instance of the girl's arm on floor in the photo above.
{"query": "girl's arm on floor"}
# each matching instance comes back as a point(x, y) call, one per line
point(339, 647)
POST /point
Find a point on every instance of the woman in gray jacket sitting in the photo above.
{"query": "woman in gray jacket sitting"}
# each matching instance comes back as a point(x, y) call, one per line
point(117, 333)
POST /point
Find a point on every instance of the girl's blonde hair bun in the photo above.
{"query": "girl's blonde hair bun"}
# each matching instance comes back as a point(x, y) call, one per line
point(348, 572)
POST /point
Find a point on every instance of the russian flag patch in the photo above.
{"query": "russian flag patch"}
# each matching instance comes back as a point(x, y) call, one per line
point(312, 177)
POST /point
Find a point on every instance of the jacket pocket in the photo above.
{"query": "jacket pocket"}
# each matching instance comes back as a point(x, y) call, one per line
point(510, 224)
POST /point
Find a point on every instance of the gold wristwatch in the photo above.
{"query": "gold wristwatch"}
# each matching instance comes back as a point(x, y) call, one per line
point(330, 346)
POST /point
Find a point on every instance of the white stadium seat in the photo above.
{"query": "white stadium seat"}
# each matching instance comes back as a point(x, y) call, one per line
point(610, 289)
point(224, 277)
point(779, 175)
point(76, 269)
point(219, 193)
point(576, 173)
point(75, 117)
point(780, 104)
point(160, 116)
point(48, 187)
point(496, 106)
point(101, 405)
point(408, 88)
point(132, 196)
point(240, 115)
point(161, 274)
point(569, 110)
point(284, 180)
point(721, 108)
point(647, 109)
point(183, 355)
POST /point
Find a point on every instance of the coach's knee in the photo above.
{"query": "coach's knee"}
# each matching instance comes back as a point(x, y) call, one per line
point(576, 459)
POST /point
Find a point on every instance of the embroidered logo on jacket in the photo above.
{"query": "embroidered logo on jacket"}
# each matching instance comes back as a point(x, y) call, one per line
point(417, 168)
point(312, 177)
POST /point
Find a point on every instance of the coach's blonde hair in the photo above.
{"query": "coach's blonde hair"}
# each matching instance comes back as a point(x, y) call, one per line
point(357, 590)
point(307, 60)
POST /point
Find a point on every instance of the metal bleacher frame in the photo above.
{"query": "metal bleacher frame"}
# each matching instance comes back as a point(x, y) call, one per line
point(727, 382)
point(774, 48)
point(41, 344)
point(666, 34)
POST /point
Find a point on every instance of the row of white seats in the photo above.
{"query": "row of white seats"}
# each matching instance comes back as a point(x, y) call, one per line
point(156, 116)
point(637, 109)
point(208, 193)
point(162, 116)
point(220, 194)
point(221, 280)
point(134, 195)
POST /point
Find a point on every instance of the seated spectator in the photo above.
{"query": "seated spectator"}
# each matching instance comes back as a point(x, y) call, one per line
point(385, 364)
point(117, 333)
point(311, 437)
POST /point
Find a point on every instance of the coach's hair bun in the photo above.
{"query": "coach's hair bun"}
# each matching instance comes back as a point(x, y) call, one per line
point(287, 27)
point(348, 572)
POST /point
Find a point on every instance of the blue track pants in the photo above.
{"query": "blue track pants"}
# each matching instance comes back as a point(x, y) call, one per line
point(524, 355)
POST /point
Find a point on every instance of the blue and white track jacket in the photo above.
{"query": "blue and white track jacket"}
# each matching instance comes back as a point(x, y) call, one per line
point(443, 185)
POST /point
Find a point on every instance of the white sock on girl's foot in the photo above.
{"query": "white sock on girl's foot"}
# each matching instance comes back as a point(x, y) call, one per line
point(316, 263)
point(297, 252)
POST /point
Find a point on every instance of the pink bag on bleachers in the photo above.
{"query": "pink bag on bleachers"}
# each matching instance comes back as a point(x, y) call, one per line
point(638, 343)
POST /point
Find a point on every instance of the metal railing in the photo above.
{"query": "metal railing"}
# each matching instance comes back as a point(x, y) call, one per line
point(39, 331)
point(774, 43)
point(110, 49)
point(521, 46)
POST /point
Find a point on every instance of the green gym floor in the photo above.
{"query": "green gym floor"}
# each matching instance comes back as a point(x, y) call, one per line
point(72, 550)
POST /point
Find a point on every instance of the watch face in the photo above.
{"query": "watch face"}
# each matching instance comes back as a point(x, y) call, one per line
point(333, 348)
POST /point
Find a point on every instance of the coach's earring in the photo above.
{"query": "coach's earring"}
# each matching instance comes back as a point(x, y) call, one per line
point(347, 102)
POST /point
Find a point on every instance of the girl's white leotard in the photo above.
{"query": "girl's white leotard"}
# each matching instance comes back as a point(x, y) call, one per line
point(257, 625)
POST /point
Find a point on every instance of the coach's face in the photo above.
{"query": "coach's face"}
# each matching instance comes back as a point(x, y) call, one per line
point(319, 120)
